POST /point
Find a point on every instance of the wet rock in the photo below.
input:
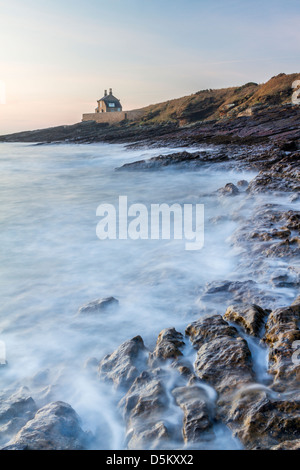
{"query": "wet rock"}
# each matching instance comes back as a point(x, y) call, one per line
point(228, 292)
point(288, 445)
point(223, 357)
point(242, 184)
point(229, 190)
point(168, 346)
point(143, 407)
point(283, 175)
point(265, 422)
point(295, 197)
point(178, 160)
point(54, 427)
point(15, 411)
point(98, 306)
point(285, 277)
point(282, 331)
point(198, 413)
point(122, 366)
point(153, 438)
point(284, 249)
point(249, 316)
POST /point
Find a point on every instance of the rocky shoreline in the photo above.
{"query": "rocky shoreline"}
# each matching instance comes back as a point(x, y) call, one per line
point(206, 374)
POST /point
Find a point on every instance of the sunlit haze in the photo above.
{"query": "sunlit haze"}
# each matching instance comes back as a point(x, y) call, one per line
point(57, 57)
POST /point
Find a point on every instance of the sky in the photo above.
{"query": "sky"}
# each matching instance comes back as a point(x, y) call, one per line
point(58, 56)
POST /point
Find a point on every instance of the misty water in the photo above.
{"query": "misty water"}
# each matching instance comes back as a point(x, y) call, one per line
point(52, 263)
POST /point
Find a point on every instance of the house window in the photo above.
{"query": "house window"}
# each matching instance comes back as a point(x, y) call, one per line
point(111, 105)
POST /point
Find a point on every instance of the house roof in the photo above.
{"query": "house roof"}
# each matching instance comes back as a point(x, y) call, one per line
point(111, 99)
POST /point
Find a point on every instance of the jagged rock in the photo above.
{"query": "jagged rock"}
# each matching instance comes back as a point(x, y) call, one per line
point(282, 330)
point(168, 346)
point(178, 159)
point(229, 190)
point(242, 184)
point(153, 438)
point(198, 413)
point(98, 306)
point(15, 411)
point(122, 366)
point(249, 316)
point(264, 422)
point(223, 357)
point(143, 407)
point(289, 277)
point(228, 292)
point(54, 427)
point(288, 445)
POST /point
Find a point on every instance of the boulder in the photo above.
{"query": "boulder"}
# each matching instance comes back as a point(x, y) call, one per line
point(249, 316)
point(282, 331)
point(98, 306)
point(264, 422)
point(168, 346)
point(223, 358)
point(143, 409)
point(15, 411)
point(229, 190)
point(198, 413)
point(123, 365)
point(54, 427)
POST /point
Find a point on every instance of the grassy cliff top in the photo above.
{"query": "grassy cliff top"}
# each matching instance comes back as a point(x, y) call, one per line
point(226, 102)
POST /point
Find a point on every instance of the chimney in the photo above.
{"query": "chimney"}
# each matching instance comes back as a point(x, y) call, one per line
point(105, 92)
point(110, 91)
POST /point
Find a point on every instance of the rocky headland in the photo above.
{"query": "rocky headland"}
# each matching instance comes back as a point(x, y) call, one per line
point(208, 374)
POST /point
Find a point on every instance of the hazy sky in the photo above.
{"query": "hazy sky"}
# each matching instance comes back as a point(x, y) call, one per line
point(57, 56)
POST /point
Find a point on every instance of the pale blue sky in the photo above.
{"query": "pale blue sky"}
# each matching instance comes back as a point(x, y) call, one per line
point(58, 56)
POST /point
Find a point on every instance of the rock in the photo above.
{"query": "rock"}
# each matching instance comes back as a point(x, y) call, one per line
point(265, 422)
point(282, 330)
point(153, 438)
point(289, 277)
point(98, 306)
point(229, 190)
point(122, 366)
point(143, 407)
point(168, 346)
point(282, 175)
point(288, 445)
point(198, 413)
point(228, 292)
point(54, 427)
point(223, 357)
point(295, 197)
point(15, 411)
point(249, 316)
point(242, 184)
point(177, 160)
